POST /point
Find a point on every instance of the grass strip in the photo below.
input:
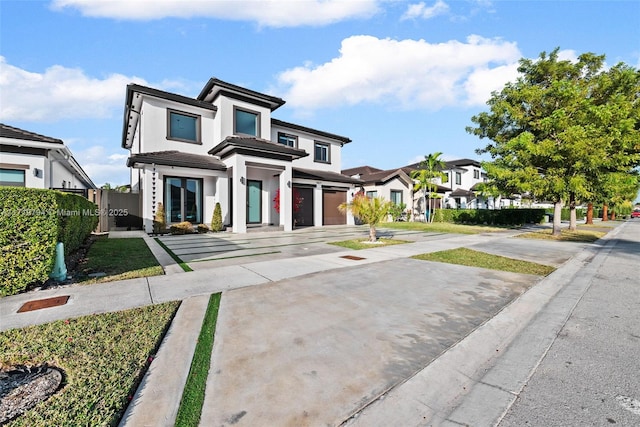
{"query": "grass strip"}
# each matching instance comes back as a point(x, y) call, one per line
point(582, 236)
point(175, 257)
point(193, 394)
point(471, 258)
point(442, 227)
point(358, 244)
point(120, 259)
point(103, 356)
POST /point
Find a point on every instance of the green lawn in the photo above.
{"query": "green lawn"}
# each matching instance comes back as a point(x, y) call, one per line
point(365, 244)
point(119, 259)
point(471, 258)
point(441, 227)
point(103, 357)
point(583, 236)
point(193, 393)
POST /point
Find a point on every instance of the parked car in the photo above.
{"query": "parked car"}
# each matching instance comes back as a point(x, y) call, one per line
point(635, 214)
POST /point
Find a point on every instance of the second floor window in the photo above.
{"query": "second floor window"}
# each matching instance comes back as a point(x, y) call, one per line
point(289, 140)
point(183, 126)
point(246, 122)
point(321, 152)
point(458, 178)
point(476, 174)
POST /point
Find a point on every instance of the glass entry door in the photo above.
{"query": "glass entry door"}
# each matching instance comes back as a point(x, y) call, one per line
point(254, 202)
point(183, 200)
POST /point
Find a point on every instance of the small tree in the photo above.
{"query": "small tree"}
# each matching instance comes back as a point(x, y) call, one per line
point(216, 220)
point(159, 221)
point(369, 210)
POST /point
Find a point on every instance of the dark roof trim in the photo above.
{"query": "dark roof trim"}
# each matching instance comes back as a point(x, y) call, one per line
point(177, 158)
point(256, 147)
point(460, 192)
point(130, 111)
point(324, 176)
point(342, 139)
point(7, 131)
point(228, 88)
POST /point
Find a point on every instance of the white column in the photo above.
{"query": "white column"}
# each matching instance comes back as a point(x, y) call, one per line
point(317, 205)
point(350, 193)
point(286, 198)
point(239, 179)
point(222, 197)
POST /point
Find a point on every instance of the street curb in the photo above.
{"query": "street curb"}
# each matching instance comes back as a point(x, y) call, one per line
point(452, 389)
point(158, 396)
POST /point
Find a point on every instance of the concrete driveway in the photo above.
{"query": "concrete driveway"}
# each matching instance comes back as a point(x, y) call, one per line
point(314, 350)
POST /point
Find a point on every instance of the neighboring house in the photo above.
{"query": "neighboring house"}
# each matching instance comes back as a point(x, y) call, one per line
point(394, 185)
point(224, 147)
point(32, 160)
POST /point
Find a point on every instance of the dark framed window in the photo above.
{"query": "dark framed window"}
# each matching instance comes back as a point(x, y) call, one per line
point(183, 199)
point(371, 194)
point(183, 126)
point(287, 139)
point(458, 178)
point(246, 122)
point(476, 174)
point(321, 153)
point(12, 178)
point(396, 197)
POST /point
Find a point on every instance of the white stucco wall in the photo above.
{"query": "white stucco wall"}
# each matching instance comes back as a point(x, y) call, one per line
point(33, 162)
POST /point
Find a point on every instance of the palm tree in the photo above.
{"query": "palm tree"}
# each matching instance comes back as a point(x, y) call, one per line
point(429, 169)
point(369, 210)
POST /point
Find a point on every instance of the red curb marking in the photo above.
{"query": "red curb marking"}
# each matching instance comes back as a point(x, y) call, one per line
point(352, 257)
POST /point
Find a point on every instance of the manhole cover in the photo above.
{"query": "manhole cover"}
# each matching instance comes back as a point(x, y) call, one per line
point(352, 257)
point(43, 303)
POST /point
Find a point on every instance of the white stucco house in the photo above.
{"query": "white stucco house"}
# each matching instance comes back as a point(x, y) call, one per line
point(28, 159)
point(225, 147)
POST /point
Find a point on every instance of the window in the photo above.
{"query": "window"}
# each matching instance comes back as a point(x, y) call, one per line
point(12, 178)
point(183, 127)
point(289, 140)
point(246, 122)
point(396, 197)
point(321, 152)
point(183, 199)
point(372, 194)
point(476, 174)
point(458, 178)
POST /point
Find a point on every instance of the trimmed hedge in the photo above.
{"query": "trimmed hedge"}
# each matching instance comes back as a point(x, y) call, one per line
point(490, 216)
point(32, 221)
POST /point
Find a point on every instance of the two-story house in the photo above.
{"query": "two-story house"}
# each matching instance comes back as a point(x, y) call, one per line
point(37, 161)
point(224, 147)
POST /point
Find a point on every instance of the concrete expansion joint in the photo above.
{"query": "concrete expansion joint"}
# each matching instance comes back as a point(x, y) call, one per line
point(146, 279)
point(456, 422)
point(255, 272)
point(497, 387)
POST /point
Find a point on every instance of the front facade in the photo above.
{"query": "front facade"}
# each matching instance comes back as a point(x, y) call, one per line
point(36, 161)
point(224, 147)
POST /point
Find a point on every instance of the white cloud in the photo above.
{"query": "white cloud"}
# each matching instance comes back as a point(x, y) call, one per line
point(421, 10)
point(59, 93)
point(407, 74)
point(268, 13)
point(102, 166)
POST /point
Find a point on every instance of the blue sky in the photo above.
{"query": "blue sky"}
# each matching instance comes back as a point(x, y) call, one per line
point(401, 79)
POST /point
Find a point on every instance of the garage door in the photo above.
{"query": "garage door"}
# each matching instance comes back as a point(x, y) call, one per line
point(330, 213)
point(304, 215)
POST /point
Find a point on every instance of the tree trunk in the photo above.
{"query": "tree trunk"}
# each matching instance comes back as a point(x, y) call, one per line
point(590, 213)
point(557, 217)
point(372, 233)
point(613, 215)
point(572, 212)
point(605, 212)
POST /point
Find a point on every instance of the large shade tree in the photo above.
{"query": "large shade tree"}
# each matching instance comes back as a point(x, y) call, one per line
point(559, 126)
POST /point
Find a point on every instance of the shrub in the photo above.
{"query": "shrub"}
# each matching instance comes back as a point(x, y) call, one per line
point(203, 228)
point(491, 216)
point(216, 220)
point(159, 221)
point(184, 227)
point(32, 221)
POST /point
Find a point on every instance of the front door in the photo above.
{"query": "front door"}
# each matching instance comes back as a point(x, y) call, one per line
point(254, 202)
